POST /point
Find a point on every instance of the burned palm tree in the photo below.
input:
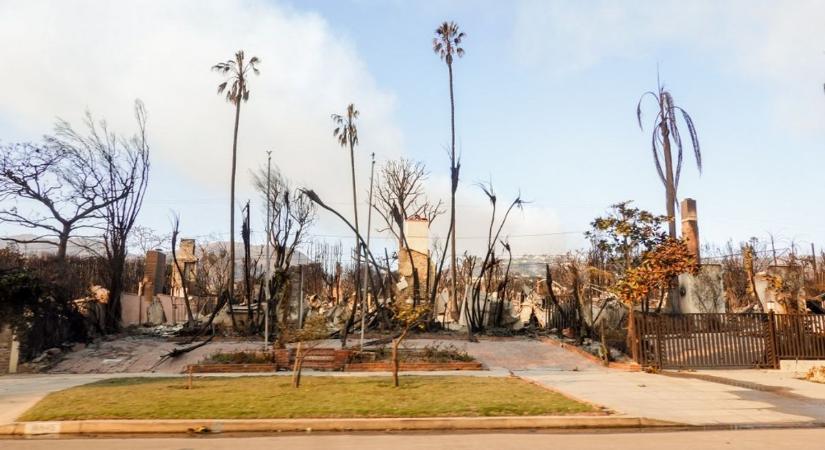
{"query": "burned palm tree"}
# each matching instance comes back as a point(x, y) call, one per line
point(236, 71)
point(447, 44)
point(482, 286)
point(665, 129)
point(347, 134)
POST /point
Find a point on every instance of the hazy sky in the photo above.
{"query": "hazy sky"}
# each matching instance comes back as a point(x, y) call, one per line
point(546, 97)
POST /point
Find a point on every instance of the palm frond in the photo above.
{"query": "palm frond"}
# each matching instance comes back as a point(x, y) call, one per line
point(694, 138)
point(656, 160)
point(488, 191)
point(639, 106)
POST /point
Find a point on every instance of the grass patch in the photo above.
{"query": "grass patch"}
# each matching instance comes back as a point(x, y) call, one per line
point(273, 397)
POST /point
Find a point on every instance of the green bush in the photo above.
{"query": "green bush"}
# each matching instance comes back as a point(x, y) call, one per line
point(38, 306)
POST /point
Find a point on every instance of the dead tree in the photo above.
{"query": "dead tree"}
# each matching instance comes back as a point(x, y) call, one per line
point(400, 196)
point(477, 309)
point(63, 184)
point(291, 215)
point(184, 281)
point(142, 239)
point(116, 171)
point(246, 236)
point(367, 253)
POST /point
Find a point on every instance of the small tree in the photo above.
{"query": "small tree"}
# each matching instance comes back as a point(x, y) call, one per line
point(656, 274)
point(623, 236)
point(312, 334)
point(408, 317)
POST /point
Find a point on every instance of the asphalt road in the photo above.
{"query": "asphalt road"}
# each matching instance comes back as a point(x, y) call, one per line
point(773, 439)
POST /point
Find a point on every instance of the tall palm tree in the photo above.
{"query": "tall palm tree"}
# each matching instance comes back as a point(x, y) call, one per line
point(347, 134)
point(236, 72)
point(446, 44)
point(664, 129)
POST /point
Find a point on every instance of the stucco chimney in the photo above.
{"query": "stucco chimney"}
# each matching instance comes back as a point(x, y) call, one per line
point(690, 227)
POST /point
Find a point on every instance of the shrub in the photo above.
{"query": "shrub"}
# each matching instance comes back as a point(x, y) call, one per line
point(816, 374)
point(38, 308)
point(241, 357)
point(439, 352)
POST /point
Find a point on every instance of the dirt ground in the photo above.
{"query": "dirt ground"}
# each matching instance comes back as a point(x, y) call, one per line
point(142, 353)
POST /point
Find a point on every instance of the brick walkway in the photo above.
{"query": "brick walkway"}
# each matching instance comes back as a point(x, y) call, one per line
point(520, 354)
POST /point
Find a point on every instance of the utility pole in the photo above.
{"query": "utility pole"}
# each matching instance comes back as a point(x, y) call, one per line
point(268, 235)
point(367, 266)
point(773, 250)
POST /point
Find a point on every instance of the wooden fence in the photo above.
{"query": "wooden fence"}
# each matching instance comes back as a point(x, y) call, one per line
point(800, 336)
point(697, 341)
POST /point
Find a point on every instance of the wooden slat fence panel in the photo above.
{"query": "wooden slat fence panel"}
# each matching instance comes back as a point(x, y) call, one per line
point(800, 336)
point(704, 340)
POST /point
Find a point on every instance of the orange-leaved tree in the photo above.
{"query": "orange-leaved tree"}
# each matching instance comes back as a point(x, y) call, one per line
point(655, 276)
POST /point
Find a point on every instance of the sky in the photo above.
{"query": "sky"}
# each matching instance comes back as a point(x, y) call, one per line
point(546, 100)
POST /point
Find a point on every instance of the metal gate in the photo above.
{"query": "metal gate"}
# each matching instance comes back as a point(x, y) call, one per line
point(704, 340)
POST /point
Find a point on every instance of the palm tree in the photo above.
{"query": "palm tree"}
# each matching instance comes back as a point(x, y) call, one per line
point(446, 43)
point(665, 129)
point(347, 134)
point(236, 72)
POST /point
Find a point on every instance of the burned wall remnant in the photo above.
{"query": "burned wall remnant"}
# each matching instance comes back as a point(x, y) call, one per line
point(701, 293)
point(187, 260)
point(417, 255)
point(780, 289)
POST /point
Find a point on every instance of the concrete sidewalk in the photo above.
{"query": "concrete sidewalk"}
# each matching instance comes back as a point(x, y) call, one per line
point(689, 400)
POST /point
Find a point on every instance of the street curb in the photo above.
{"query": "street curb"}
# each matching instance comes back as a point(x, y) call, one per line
point(81, 427)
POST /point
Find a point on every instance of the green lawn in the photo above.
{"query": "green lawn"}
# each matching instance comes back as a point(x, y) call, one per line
point(273, 397)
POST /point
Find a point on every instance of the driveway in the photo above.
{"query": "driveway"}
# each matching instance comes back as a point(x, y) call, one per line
point(20, 392)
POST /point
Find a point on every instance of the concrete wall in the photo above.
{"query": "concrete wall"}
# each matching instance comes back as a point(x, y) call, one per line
point(134, 307)
point(703, 293)
point(769, 297)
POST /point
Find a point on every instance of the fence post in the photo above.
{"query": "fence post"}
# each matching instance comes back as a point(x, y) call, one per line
point(771, 345)
point(632, 335)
